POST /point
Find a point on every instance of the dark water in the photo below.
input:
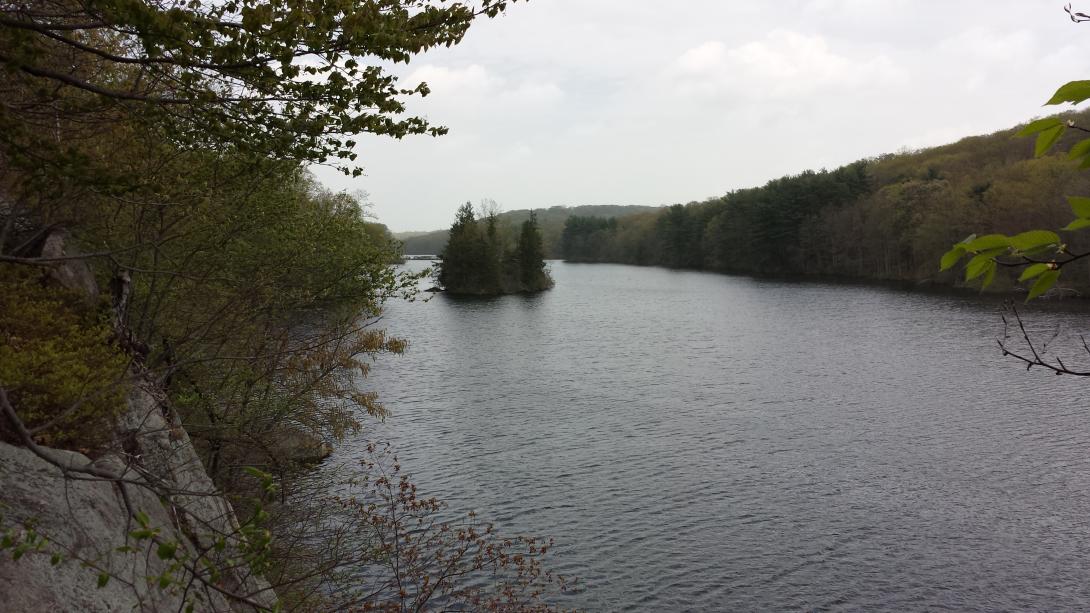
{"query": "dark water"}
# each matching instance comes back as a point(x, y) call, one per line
point(703, 442)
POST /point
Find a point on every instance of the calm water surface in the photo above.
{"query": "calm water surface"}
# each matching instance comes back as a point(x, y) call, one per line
point(703, 442)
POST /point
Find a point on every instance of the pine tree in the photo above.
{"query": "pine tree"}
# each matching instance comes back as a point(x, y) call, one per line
point(530, 254)
point(477, 260)
point(460, 270)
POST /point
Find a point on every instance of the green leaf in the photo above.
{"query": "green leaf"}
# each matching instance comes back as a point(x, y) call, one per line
point(1047, 138)
point(166, 550)
point(1032, 271)
point(990, 241)
point(978, 266)
point(1073, 92)
point(142, 518)
point(254, 472)
point(1034, 239)
point(55, 559)
point(1043, 283)
point(1080, 205)
point(951, 257)
point(989, 276)
point(1078, 224)
point(1079, 149)
point(103, 579)
point(1034, 127)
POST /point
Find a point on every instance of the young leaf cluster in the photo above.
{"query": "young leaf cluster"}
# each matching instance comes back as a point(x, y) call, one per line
point(1040, 253)
point(292, 79)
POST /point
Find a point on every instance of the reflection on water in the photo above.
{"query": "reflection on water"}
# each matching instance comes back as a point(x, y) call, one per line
point(696, 441)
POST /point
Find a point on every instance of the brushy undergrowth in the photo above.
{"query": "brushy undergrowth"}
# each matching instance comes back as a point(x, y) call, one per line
point(58, 362)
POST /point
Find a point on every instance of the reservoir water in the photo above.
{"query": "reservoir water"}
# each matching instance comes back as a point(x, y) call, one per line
point(702, 442)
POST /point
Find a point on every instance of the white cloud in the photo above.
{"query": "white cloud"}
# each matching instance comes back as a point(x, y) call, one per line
point(783, 63)
point(531, 94)
point(885, 10)
point(703, 59)
point(992, 46)
point(449, 82)
point(469, 87)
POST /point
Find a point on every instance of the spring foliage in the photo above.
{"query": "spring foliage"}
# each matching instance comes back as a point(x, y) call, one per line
point(167, 141)
point(1040, 255)
point(283, 79)
point(57, 361)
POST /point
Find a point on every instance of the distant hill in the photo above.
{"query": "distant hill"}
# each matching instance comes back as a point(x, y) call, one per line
point(404, 235)
point(550, 221)
point(422, 243)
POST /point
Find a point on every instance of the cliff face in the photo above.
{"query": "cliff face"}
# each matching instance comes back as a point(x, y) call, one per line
point(142, 528)
point(85, 519)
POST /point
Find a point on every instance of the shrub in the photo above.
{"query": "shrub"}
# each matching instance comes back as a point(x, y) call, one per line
point(62, 373)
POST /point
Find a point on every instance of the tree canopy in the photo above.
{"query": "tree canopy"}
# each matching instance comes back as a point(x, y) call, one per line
point(283, 78)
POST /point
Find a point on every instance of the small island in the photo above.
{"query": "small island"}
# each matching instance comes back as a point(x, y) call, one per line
point(482, 257)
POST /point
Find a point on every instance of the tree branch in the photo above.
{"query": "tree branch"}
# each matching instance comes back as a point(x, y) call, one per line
point(1035, 359)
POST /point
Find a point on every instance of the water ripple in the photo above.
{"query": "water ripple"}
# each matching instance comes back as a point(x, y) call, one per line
point(696, 442)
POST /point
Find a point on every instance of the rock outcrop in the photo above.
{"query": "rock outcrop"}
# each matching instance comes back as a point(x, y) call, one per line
point(88, 520)
point(92, 561)
point(84, 520)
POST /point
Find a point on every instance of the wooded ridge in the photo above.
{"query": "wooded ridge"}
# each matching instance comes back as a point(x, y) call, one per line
point(886, 218)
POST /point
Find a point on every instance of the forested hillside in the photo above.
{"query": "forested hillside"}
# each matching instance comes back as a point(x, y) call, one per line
point(886, 218)
point(550, 223)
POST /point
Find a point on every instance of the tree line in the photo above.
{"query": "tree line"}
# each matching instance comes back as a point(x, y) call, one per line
point(550, 222)
point(885, 218)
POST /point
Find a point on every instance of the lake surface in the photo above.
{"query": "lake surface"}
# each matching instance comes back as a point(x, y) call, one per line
point(702, 442)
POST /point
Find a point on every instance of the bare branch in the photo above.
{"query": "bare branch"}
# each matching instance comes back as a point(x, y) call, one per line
point(1035, 358)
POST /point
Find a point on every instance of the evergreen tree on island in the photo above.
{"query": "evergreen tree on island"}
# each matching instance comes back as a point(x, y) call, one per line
point(479, 259)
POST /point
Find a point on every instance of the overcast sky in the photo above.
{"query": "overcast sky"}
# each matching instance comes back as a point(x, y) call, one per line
point(571, 102)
